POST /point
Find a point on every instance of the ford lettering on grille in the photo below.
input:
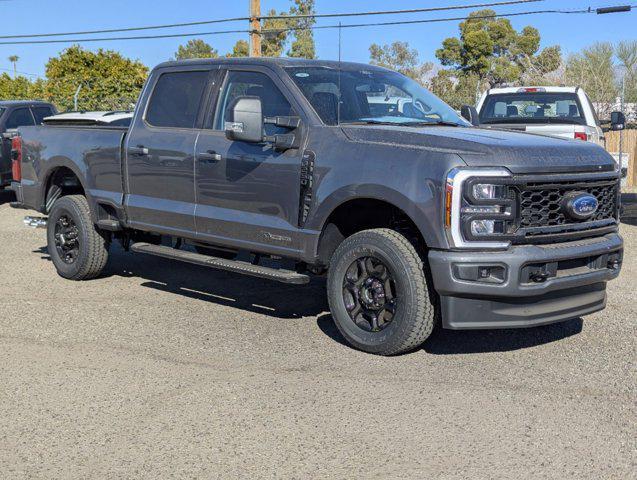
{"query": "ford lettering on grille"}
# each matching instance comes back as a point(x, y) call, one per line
point(580, 206)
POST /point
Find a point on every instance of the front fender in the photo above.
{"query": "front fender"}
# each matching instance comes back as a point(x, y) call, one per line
point(423, 211)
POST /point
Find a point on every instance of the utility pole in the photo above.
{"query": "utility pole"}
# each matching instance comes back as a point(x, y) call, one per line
point(255, 28)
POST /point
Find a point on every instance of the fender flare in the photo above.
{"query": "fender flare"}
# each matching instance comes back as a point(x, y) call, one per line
point(53, 165)
point(346, 194)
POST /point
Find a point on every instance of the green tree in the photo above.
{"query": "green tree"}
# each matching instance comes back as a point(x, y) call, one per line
point(14, 88)
point(109, 80)
point(626, 52)
point(196, 48)
point(398, 56)
point(240, 49)
point(278, 31)
point(303, 44)
point(491, 48)
point(275, 35)
point(457, 88)
point(594, 70)
point(14, 60)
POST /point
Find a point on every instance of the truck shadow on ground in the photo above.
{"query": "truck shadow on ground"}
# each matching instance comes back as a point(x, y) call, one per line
point(453, 342)
point(215, 286)
point(293, 301)
point(6, 196)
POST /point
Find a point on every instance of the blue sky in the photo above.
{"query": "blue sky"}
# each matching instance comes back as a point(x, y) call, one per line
point(41, 16)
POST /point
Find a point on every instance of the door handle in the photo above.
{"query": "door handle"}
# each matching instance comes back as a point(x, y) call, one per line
point(139, 150)
point(209, 156)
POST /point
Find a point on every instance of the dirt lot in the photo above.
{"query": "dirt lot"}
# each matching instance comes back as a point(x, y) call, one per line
point(166, 370)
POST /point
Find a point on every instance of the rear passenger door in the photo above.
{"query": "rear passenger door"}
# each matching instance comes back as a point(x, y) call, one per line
point(160, 151)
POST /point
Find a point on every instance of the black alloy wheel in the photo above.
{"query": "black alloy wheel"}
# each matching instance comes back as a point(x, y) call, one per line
point(369, 294)
point(67, 241)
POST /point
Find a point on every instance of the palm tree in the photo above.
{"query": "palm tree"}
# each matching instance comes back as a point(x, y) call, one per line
point(14, 59)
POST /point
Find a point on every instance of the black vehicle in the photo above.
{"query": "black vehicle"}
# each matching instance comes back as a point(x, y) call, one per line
point(345, 169)
point(14, 114)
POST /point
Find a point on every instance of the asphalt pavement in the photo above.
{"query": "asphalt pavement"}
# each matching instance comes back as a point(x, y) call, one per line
point(166, 370)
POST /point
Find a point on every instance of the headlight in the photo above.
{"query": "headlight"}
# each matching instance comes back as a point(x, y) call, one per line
point(480, 206)
point(487, 191)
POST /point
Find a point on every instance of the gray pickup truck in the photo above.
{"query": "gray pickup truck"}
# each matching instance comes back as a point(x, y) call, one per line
point(283, 169)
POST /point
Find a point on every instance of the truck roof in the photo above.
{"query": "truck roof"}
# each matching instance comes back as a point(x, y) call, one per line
point(13, 103)
point(540, 88)
point(269, 61)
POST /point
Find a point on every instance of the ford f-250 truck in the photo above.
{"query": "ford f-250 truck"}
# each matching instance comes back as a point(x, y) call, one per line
point(348, 170)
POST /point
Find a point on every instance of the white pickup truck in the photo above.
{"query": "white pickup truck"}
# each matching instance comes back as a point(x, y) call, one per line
point(564, 112)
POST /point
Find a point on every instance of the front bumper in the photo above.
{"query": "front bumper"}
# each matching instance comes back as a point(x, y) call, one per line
point(526, 285)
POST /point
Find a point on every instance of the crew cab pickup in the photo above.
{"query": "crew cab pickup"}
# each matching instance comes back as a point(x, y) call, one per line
point(287, 168)
point(14, 114)
point(564, 112)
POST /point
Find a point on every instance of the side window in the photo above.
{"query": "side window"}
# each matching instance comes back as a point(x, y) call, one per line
point(40, 113)
point(256, 84)
point(19, 118)
point(176, 99)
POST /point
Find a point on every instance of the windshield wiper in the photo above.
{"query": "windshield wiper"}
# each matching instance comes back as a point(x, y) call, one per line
point(415, 123)
point(428, 124)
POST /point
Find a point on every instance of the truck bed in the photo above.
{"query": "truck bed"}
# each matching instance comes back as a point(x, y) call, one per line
point(93, 153)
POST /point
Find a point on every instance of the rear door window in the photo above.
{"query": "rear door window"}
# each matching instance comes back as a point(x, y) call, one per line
point(19, 118)
point(176, 99)
point(40, 113)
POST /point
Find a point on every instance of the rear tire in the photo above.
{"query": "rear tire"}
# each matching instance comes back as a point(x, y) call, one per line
point(378, 293)
point(78, 250)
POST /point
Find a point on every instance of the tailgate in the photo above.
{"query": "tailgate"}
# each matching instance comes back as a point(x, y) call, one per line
point(566, 131)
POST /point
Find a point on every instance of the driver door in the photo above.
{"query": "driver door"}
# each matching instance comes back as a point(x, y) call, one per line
point(248, 193)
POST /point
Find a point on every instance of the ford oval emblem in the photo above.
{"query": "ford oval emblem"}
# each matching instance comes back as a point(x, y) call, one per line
point(580, 206)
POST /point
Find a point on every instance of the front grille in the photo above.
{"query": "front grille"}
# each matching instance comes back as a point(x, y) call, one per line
point(541, 203)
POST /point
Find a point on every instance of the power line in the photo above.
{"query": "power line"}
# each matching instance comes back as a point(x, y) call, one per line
point(18, 71)
point(315, 27)
point(431, 20)
point(392, 12)
point(106, 39)
point(274, 17)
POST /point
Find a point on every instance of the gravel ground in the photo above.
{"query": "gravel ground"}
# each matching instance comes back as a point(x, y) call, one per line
point(167, 370)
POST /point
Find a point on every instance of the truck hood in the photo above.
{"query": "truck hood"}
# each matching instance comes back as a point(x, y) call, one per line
point(480, 147)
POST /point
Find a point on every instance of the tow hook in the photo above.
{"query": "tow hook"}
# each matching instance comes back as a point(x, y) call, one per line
point(35, 222)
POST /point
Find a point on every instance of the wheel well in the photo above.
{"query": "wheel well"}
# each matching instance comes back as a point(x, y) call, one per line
point(362, 214)
point(62, 182)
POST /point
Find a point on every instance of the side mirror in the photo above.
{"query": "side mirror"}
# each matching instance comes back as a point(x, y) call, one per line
point(247, 120)
point(470, 114)
point(617, 121)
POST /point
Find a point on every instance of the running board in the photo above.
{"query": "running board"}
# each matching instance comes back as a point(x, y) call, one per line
point(284, 276)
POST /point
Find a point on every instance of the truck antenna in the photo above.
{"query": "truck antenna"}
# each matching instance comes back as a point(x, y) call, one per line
point(338, 103)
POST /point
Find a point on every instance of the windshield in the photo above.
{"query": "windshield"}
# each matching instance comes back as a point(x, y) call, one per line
point(528, 107)
point(370, 96)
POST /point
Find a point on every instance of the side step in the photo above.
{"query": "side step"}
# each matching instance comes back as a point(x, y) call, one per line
point(284, 276)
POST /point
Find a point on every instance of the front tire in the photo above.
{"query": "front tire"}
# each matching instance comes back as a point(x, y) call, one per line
point(378, 293)
point(78, 250)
